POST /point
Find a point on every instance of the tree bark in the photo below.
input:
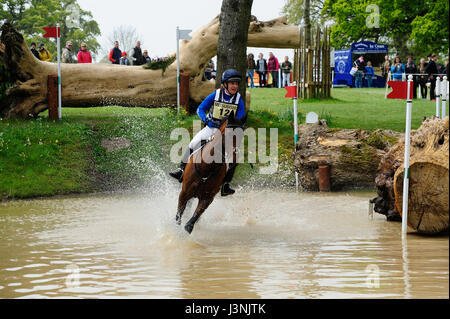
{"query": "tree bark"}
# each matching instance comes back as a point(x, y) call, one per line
point(428, 204)
point(86, 85)
point(307, 21)
point(233, 36)
point(352, 155)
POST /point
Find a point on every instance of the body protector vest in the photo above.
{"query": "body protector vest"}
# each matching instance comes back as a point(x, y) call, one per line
point(221, 109)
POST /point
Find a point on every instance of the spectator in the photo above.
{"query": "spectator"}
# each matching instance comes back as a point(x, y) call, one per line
point(84, 56)
point(445, 71)
point(261, 69)
point(432, 70)
point(251, 66)
point(147, 58)
point(385, 68)
point(286, 67)
point(124, 59)
point(410, 68)
point(370, 74)
point(360, 64)
point(115, 54)
point(209, 70)
point(67, 53)
point(34, 51)
point(423, 79)
point(397, 69)
point(44, 55)
point(136, 56)
point(273, 66)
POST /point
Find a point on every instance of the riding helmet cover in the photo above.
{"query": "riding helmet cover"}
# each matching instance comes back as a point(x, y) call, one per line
point(231, 75)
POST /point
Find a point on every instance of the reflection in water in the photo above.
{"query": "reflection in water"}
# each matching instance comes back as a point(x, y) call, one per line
point(259, 244)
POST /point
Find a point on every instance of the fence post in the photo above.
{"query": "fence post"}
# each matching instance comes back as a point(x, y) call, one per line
point(438, 95)
point(444, 96)
point(52, 96)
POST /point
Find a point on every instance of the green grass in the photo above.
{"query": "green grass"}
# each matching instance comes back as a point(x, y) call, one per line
point(349, 108)
point(43, 157)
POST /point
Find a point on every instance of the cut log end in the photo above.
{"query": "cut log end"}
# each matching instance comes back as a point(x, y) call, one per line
point(428, 204)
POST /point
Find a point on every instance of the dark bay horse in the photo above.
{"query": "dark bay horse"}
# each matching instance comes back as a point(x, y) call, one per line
point(203, 176)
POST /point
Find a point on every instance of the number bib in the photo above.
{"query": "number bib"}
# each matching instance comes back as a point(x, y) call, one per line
point(223, 110)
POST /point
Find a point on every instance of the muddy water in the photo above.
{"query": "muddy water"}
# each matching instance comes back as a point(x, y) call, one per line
point(258, 244)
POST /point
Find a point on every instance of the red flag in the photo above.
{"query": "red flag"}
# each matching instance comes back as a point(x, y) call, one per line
point(291, 91)
point(52, 32)
point(399, 90)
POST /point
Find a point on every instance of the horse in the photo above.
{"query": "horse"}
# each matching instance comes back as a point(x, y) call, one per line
point(202, 179)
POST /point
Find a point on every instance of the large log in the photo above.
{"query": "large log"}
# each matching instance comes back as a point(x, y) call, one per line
point(87, 85)
point(428, 204)
point(352, 155)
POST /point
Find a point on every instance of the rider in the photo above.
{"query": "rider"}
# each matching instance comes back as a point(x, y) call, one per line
point(212, 112)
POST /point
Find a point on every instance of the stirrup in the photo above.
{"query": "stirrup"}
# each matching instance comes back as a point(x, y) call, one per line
point(226, 190)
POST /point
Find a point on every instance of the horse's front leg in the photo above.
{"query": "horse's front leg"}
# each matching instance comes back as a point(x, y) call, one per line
point(182, 202)
point(203, 204)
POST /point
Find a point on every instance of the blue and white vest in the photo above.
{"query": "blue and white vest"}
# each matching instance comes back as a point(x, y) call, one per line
point(221, 108)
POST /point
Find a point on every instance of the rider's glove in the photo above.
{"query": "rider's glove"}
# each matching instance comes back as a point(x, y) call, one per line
point(212, 124)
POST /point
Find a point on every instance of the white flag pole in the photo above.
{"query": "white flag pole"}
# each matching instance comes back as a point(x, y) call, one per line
point(178, 70)
point(296, 130)
point(406, 162)
point(58, 48)
point(444, 96)
point(438, 95)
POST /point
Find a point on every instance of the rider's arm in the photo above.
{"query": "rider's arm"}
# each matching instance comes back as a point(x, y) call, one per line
point(241, 109)
point(203, 108)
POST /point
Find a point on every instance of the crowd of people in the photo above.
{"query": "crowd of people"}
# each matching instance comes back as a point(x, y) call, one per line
point(116, 56)
point(268, 70)
point(424, 74)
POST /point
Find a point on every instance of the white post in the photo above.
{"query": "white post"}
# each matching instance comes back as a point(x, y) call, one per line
point(406, 162)
point(296, 132)
point(332, 79)
point(438, 95)
point(444, 96)
point(58, 48)
point(388, 79)
point(178, 70)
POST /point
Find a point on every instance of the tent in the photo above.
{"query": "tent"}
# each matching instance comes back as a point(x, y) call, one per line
point(343, 61)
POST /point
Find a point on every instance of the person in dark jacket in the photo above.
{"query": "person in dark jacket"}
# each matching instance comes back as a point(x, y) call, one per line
point(361, 65)
point(115, 54)
point(410, 68)
point(423, 79)
point(432, 70)
point(261, 69)
point(136, 56)
point(34, 51)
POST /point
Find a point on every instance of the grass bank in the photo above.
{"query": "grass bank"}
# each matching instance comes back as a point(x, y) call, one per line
point(44, 158)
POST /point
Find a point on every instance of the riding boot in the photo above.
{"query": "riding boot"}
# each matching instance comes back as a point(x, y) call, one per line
point(226, 189)
point(179, 172)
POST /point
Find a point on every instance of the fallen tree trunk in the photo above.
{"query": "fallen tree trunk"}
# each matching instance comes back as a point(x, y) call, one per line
point(352, 155)
point(428, 204)
point(85, 85)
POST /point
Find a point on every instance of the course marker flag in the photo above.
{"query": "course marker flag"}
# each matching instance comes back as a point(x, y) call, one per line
point(399, 89)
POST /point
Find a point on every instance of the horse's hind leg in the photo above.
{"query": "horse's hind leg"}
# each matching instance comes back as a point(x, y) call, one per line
point(203, 204)
point(182, 202)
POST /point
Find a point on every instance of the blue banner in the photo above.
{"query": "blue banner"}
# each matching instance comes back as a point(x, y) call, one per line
point(342, 66)
point(364, 47)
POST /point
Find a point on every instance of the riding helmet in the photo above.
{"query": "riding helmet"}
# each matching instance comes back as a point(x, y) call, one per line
point(231, 75)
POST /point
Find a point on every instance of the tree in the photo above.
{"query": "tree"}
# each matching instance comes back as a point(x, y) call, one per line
point(98, 84)
point(233, 37)
point(404, 24)
point(126, 35)
point(294, 10)
point(30, 16)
